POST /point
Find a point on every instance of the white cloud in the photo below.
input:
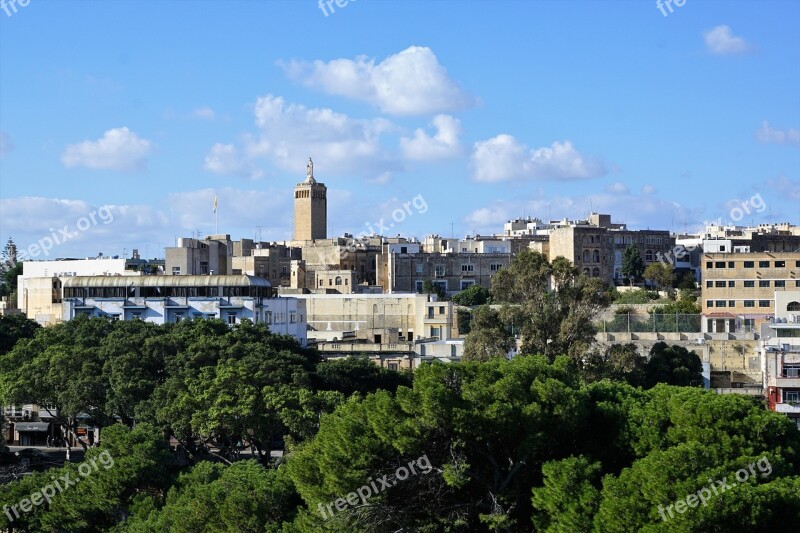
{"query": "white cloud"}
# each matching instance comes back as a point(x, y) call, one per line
point(638, 211)
point(5, 143)
point(204, 113)
point(504, 158)
point(225, 160)
point(92, 228)
point(443, 145)
point(118, 149)
point(720, 40)
point(411, 82)
point(648, 189)
point(291, 133)
point(785, 186)
point(617, 188)
point(768, 134)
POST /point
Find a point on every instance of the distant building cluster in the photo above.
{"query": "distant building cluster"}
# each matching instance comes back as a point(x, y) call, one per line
point(364, 295)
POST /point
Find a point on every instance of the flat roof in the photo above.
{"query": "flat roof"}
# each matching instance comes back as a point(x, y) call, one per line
point(166, 281)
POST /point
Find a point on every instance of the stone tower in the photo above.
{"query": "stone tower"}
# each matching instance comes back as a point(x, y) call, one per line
point(310, 208)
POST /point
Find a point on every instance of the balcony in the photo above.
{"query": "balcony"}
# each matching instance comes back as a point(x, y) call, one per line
point(788, 382)
point(788, 408)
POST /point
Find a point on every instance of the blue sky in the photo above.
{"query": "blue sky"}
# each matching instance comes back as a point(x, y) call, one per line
point(489, 110)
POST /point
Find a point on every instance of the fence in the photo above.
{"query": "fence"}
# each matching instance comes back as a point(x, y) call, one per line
point(658, 323)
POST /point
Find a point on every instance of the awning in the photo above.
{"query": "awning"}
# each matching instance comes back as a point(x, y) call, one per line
point(41, 427)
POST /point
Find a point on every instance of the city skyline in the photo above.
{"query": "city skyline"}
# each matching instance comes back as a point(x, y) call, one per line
point(678, 119)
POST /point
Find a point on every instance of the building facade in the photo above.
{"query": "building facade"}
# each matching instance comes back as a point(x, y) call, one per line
point(780, 353)
point(163, 299)
point(738, 289)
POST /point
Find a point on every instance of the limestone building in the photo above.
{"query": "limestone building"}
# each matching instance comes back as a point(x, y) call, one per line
point(310, 208)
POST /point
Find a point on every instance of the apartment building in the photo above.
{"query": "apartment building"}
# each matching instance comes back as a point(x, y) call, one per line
point(738, 289)
point(780, 354)
point(378, 319)
point(163, 299)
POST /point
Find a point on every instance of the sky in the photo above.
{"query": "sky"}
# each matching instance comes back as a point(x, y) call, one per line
point(121, 120)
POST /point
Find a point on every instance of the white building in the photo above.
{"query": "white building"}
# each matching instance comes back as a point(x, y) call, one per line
point(780, 356)
point(162, 299)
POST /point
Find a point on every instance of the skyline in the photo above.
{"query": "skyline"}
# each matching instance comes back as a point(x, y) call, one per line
point(489, 112)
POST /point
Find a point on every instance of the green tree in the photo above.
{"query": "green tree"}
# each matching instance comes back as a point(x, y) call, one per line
point(570, 496)
point(489, 337)
point(660, 274)
point(429, 287)
point(14, 327)
point(472, 296)
point(673, 365)
point(632, 265)
point(550, 305)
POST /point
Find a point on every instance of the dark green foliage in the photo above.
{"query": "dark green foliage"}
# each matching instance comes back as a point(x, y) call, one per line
point(429, 287)
point(632, 265)
point(472, 296)
point(14, 327)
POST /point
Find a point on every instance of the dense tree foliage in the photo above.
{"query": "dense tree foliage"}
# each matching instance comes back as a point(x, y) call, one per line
point(534, 443)
point(548, 304)
point(632, 264)
point(472, 296)
point(14, 327)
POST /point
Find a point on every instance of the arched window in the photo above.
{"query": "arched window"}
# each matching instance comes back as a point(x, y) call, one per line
point(586, 256)
point(793, 306)
point(648, 255)
point(596, 256)
point(586, 271)
point(595, 272)
point(338, 280)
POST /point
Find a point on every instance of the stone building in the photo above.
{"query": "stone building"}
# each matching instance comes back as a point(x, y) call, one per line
point(310, 208)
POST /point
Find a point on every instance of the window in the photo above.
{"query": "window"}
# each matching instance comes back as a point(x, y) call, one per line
point(176, 271)
point(595, 272)
point(495, 267)
point(791, 396)
point(393, 367)
point(719, 284)
point(797, 264)
point(749, 284)
point(439, 271)
point(453, 352)
point(231, 319)
point(763, 303)
point(418, 267)
point(436, 332)
point(720, 303)
point(648, 255)
point(763, 283)
point(709, 264)
point(731, 303)
point(793, 306)
point(731, 284)
point(204, 267)
point(466, 283)
point(292, 317)
point(268, 317)
point(709, 284)
point(730, 264)
point(404, 249)
point(719, 264)
point(791, 371)
point(749, 303)
point(586, 256)
point(418, 285)
point(763, 264)
point(338, 280)
point(710, 303)
point(441, 309)
point(797, 283)
point(468, 268)
point(596, 256)
point(722, 248)
point(780, 264)
point(430, 312)
point(749, 264)
point(780, 284)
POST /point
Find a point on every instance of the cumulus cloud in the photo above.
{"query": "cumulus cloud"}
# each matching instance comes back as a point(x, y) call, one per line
point(768, 134)
point(504, 158)
point(617, 188)
point(290, 133)
point(721, 41)
point(118, 149)
point(204, 113)
point(636, 210)
point(442, 145)
point(91, 228)
point(786, 187)
point(5, 143)
point(225, 160)
point(411, 82)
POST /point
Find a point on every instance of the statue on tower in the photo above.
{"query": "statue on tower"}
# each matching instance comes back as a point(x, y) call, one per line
point(310, 170)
